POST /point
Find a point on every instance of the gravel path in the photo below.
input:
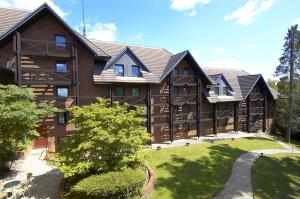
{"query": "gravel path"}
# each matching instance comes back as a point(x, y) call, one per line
point(239, 184)
point(46, 180)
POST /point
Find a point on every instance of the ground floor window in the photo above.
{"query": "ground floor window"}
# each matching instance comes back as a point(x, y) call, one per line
point(135, 92)
point(120, 91)
point(62, 117)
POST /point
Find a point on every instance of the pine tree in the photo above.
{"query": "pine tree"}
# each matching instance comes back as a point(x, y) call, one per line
point(289, 68)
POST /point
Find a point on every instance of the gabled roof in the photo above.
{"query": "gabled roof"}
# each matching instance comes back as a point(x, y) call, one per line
point(241, 81)
point(176, 59)
point(126, 49)
point(24, 17)
point(215, 78)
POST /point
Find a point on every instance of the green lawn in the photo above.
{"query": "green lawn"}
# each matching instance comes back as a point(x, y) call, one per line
point(276, 182)
point(198, 171)
point(295, 144)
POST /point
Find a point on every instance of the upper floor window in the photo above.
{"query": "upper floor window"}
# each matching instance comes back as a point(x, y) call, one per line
point(186, 72)
point(60, 41)
point(135, 92)
point(135, 70)
point(186, 108)
point(120, 91)
point(62, 92)
point(62, 117)
point(185, 90)
point(216, 89)
point(175, 109)
point(175, 71)
point(119, 70)
point(61, 67)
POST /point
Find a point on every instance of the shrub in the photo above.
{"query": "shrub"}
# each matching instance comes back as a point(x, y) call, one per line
point(118, 184)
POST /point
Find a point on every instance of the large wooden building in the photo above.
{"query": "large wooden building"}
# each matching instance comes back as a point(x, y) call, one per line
point(181, 99)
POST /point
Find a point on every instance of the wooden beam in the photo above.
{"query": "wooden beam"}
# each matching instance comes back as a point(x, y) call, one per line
point(171, 133)
point(248, 113)
point(198, 106)
point(149, 109)
point(265, 112)
point(236, 116)
point(75, 71)
point(18, 58)
point(110, 95)
point(215, 119)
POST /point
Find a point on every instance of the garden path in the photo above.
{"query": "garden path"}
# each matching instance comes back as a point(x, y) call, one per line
point(239, 184)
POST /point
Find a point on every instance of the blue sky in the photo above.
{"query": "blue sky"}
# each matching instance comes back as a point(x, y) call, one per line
point(245, 34)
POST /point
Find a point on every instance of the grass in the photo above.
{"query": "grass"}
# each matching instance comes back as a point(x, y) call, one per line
point(198, 171)
point(295, 144)
point(276, 182)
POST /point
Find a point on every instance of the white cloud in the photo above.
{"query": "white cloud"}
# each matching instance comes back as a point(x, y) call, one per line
point(246, 14)
point(196, 54)
point(136, 37)
point(99, 31)
point(248, 47)
point(187, 5)
point(31, 5)
point(219, 50)
point(296, 21)
point(225, 63)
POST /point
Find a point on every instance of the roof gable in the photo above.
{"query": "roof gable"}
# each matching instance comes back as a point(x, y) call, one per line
point(121, 54)
point(176, 59)
point(96, 51)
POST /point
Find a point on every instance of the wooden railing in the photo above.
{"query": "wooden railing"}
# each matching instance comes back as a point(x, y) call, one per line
point(43, 76)
point(225, 114)
point(185, 98)
point(160, 119)
point(60, 102)
point(185, 116)
point(160, 99)
point(256, 110)
point(132, 100)
point(45, 48)
point(206, 115)
point(183, 79)
point(256, 96)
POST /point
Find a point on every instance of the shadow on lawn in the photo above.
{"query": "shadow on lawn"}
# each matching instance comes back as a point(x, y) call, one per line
point(282, 181)
point(200, 178)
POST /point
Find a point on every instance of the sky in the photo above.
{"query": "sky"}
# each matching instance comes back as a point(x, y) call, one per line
point(245, 34)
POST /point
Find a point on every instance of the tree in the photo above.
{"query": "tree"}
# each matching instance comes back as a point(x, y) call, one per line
point(105, 139)
point(272, 84)
point(289, 69)
point(19, 117)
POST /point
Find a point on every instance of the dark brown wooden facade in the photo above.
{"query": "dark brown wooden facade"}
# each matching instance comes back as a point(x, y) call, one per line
point(175, 107)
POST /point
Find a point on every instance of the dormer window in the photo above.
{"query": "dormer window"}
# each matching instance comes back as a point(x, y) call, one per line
point(225, 90)
point(119, 70)
point(135, 70)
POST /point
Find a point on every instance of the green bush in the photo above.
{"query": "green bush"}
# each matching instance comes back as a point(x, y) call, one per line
point(119, 184)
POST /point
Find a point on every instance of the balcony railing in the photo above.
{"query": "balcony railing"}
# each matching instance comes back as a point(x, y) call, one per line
point(43, 76)
point(225, 114)
point(132, 100)
point(183, 79)
point(185, 116)
point(60, 102)
point(160, 99)
point(191, 98)
point(256, 96)
point(46, 48)
point(256, 110)
point(160, 119)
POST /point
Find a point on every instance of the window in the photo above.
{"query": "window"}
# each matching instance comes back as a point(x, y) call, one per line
point(215, 89)
point(186, 108)
point(119, 70)
point(135, 70)
point(185, 90)
point(62, 92)
point(186, 127)
point(186, 72)
point(175, 71)
point(60, 41)
point(175, 109)
point(175, 90)
point(135, 92)
point(119, 91)
point(62, 117)
point(61, 67)
point(225, 90)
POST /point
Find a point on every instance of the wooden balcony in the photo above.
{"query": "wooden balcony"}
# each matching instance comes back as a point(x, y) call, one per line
point(159, 100)
point(185, 99)
point(45, 77)
point(183, 80)
point(222, 114)
point(45, 48)
point(59, 102)
point(132, 100)
point(160, 119)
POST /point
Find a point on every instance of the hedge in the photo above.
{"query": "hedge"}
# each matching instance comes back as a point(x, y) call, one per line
point(120, 184)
